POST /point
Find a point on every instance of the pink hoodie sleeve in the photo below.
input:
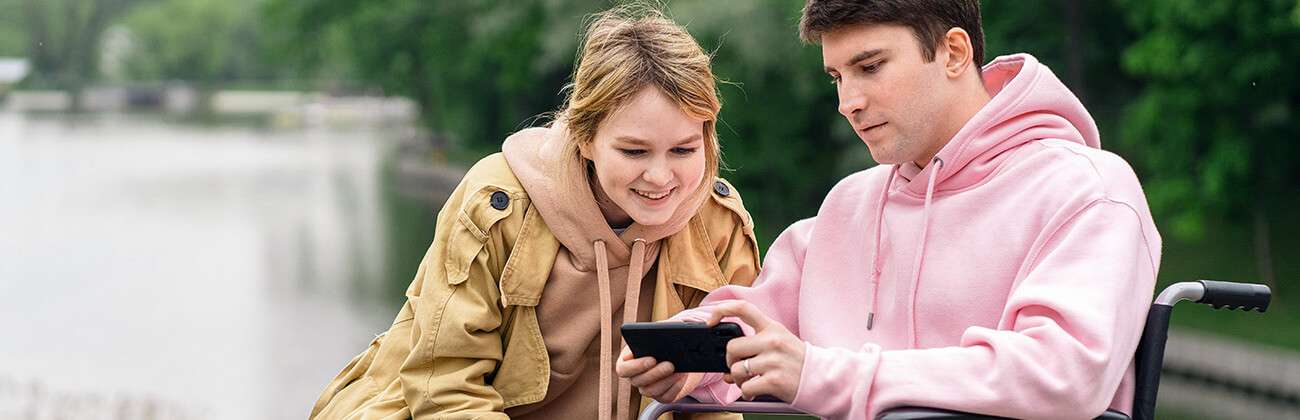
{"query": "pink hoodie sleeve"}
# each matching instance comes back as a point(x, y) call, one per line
point(775, 293)
point(1065, 339)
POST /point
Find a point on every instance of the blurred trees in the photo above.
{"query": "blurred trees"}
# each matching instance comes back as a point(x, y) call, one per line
point(202, 41)
point(63, 38)
point(13, 37)
point(1170, 83)
point(478, 69)
point(1197, 95)
point(1214, 129)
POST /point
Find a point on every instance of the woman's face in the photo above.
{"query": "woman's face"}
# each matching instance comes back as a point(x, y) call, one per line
point(648, 157)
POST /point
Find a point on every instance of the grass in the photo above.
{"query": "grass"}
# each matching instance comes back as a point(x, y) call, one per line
point(1227, 253)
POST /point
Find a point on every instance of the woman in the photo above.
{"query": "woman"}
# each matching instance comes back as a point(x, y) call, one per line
point(546, 248)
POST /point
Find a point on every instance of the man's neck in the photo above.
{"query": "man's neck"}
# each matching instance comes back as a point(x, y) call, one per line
point(960, 113)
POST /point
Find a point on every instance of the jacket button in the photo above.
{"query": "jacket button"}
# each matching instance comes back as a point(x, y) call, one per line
point(721, 188)
point(500, 200)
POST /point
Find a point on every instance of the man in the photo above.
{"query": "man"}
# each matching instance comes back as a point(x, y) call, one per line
point(996, 262)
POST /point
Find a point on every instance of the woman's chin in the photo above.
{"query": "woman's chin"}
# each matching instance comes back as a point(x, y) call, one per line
point(652, 218)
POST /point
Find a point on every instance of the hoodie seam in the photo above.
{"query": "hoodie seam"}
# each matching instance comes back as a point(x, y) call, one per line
point(1036, 257)
point(1105, 195)
point(999, 116)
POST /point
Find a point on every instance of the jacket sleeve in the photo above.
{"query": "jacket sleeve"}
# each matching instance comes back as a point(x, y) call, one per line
point(775, 292)
point(1065, 339)
point(456, 339)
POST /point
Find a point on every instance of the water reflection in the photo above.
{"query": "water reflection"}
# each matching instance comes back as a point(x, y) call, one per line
point(207, 272)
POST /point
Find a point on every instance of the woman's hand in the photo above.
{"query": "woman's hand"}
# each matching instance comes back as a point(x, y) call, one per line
point(769, 362)
point(654, 379)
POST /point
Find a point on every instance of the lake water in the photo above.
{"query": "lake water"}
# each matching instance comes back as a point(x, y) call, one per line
point(156, 269)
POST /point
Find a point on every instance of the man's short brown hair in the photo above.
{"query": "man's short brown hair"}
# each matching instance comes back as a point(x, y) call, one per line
point(928, 19)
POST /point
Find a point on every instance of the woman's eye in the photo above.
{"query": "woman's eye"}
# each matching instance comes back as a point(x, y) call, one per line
point(683, 150)
point(835, 80)
point(632, 152)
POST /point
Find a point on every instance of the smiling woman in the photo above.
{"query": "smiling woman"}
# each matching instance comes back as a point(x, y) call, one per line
point(546, 248)
point(646, 159)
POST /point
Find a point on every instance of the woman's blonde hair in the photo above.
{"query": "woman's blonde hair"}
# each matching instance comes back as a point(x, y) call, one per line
point(626, 49)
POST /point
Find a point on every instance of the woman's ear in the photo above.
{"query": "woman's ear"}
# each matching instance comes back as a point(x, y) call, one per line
point(956, 51)
point(584, 150)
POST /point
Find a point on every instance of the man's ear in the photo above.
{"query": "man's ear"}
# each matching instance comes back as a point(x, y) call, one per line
point(955, 52)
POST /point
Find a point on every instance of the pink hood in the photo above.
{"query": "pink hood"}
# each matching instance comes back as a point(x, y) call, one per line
point(1010, 276)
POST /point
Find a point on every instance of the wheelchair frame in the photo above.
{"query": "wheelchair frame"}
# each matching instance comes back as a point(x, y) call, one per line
point(1149, 359)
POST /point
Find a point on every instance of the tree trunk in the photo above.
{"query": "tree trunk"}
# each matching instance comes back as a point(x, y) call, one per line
point(39, 46)
point(1075, 47)
point(1263, 251)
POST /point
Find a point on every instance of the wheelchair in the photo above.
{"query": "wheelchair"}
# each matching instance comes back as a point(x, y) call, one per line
point(1149, 359)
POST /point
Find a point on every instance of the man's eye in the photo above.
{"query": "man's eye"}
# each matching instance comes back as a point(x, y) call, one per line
point(835, 80)
point(632, 152)
point(683, 150)
point(873, 67)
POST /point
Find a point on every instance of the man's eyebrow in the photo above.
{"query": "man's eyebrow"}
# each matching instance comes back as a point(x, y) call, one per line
point(859, 57)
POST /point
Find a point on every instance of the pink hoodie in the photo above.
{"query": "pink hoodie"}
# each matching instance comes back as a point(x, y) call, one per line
point(1010, 277)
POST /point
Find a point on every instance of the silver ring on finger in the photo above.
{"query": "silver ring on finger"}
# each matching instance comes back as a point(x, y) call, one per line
point(748, 372)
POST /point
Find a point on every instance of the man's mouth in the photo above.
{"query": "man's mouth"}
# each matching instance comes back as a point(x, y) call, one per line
point(872, 127)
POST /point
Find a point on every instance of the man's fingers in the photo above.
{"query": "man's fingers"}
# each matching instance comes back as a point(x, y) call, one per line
point(757, 387)
point(742, 348)
point(746, 311)
point(738, 373)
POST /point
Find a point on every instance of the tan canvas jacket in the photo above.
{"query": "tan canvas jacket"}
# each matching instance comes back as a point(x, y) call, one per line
point(466, 344)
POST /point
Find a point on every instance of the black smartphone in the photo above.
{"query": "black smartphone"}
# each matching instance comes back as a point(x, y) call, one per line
point(690, 346)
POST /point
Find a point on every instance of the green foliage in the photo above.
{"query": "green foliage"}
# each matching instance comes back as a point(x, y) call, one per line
point(62, 37)
point(1206, 130)
point(478, 69)
point(1214, 122)
point(13, 39)
point(205, 41)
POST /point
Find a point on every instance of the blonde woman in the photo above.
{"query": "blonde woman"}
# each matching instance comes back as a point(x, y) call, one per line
point(611, 214)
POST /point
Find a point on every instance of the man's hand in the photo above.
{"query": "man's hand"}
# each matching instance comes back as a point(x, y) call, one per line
point(767, 363)
point(654, 379)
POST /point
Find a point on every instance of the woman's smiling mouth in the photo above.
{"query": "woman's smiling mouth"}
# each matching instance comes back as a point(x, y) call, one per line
point(653, 196)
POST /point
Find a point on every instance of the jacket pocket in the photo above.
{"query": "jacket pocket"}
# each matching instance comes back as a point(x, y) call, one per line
point(469, 233)
point(525, 369)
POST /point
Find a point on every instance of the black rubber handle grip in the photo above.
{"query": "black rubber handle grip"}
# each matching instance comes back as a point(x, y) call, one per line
point(1244, 296)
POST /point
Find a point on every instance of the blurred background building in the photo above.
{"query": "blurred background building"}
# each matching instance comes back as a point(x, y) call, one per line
point(207, 207)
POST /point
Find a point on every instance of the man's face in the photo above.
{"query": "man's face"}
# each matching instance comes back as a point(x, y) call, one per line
point(888, 92)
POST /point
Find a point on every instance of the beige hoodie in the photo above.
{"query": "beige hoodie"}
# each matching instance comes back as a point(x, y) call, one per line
point(593, 265)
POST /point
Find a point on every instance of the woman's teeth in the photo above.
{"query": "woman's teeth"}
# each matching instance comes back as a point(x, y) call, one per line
point(652, 196)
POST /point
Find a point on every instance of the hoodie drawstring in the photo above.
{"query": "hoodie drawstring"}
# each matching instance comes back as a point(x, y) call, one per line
point(875, 258)
point(631, 299)
point(631, 302)
point(606, 313)
point(920, 249)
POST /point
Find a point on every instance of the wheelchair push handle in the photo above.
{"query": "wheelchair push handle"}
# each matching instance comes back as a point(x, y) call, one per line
point(1230, 295)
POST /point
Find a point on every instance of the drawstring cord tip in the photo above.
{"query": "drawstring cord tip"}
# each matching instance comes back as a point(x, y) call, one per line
point(871, 320)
